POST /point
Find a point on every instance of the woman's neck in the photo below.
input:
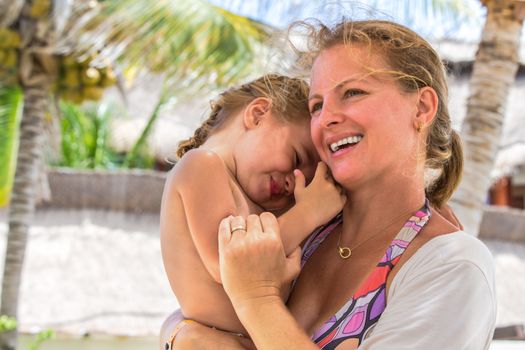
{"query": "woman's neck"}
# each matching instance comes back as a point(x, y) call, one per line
point(380, 206)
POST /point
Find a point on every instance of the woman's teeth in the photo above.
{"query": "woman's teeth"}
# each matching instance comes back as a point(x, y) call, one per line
point(351, 140)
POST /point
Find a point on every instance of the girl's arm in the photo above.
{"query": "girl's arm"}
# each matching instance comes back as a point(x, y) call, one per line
point(314, 206)
point(254, 267)
point(201, 183)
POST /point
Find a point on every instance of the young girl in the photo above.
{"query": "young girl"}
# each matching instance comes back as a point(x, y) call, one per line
point(253, 154)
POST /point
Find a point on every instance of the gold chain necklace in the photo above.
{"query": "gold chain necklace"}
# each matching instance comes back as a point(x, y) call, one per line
point(346, 252)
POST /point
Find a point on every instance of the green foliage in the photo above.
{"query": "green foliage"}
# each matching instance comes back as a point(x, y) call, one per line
point(40, 338)
point(11, 101)
point(7, 323)
point(85, 132)
point(137, 153)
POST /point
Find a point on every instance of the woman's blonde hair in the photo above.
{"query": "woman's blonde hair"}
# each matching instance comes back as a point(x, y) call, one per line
point(288, 97)
point(415, 64)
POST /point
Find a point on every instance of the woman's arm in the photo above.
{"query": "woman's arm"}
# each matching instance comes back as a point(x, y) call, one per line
point(254, 267)
point(197, 336)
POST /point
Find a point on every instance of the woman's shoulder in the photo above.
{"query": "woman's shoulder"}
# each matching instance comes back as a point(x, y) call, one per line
point(457, 246)
point(445, 287)
point(457, 250)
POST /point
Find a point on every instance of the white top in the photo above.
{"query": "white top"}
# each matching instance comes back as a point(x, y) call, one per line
point(443, 297)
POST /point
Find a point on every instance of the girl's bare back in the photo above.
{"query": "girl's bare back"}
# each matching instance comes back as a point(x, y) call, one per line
point(190, 253)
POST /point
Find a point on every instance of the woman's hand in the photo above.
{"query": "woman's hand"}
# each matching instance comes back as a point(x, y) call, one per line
point(253, 269)
point(253, 264)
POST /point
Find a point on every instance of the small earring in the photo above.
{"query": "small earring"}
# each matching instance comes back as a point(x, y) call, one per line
point(419, 127)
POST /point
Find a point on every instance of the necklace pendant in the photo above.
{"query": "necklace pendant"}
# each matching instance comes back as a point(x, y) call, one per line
point(344, 252)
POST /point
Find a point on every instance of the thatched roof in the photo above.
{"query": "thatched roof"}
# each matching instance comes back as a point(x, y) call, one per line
point(90, 271)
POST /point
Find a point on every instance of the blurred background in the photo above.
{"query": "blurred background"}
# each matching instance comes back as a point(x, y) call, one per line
point(96, 95)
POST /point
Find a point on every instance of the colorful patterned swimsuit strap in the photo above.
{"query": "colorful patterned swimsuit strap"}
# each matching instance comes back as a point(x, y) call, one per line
point(317, 237)
point(357, 317)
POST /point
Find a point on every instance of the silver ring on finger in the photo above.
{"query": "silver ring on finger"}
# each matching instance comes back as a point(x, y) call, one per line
point(238, 228)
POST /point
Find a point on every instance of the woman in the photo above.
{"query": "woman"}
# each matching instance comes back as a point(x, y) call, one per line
point(389, 272)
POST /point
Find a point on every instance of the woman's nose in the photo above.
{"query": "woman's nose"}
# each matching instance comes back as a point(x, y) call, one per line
point(289, 184)
point(330, 115)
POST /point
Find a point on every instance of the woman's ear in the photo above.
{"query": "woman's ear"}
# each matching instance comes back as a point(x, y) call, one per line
point(256, 112)
point(427, 105)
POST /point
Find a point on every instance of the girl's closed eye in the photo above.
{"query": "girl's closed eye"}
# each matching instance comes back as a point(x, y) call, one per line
point(297, 160)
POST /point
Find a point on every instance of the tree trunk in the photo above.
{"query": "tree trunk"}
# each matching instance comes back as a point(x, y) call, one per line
point(492, 77)
point(36, 69)
point(22, 204)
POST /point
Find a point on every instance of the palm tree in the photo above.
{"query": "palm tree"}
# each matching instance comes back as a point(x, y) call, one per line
point(34, 80)
point(192, 42)
point(493, 75)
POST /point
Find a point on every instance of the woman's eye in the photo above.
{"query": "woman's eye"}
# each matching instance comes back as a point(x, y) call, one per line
point(316, 107)
point(353, 92)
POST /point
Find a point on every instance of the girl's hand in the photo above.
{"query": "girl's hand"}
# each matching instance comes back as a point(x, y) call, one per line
point(323, 198)
point(253, 263)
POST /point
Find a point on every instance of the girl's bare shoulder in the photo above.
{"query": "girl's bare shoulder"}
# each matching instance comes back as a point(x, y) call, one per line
point(199, 165)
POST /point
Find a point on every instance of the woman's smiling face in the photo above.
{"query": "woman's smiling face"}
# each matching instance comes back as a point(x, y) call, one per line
point(362, 121)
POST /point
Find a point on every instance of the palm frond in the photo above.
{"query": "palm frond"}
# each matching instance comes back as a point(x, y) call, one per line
point(10, 112)
point(9, 11)
point(191, 41)
point(62, 12)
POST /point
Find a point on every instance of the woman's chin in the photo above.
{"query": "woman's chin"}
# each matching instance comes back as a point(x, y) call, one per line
point(346, 178)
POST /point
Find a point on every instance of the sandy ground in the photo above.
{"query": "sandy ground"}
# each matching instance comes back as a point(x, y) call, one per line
point(93, 272)
point(509, 258)
point(101, 272)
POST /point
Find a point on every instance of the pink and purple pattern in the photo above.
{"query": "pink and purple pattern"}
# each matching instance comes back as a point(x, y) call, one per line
point(357, 317)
